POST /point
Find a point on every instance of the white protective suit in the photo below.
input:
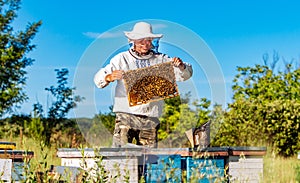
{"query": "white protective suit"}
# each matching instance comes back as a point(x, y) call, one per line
point(129, 60)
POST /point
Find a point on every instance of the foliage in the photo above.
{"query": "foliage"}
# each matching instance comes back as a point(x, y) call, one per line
point(13, 61)
point(178, 124)
point(35, 128)
point(64, 100)
point(98, 134)
point(106, 119)
point(55, 126)
point(280, 169)
point(297, 169)
point(13, 126)
point(95, 173)
point(66, 134)
point(99, 129)
point(265, 109)
point(216, 120)
point(170, 120)
point(178, 117)
point(203, 111)
point(170, 117)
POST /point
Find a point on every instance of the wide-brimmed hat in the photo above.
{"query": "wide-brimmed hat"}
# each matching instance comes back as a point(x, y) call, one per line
point(141, 30)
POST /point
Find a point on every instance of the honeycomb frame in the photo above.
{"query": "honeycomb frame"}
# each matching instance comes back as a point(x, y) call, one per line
point(150, 84)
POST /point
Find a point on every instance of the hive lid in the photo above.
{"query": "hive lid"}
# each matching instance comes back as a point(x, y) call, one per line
point(7, 145)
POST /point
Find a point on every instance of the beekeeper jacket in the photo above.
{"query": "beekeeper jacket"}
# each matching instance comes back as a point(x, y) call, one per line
point(129, 60)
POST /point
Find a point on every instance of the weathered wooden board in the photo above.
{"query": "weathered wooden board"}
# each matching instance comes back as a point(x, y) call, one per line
point(249, 169)
point(5, 169)
point(123, 161)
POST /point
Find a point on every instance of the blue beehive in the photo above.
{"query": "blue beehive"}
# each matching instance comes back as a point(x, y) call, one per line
point(163, 168)
point(205, 170)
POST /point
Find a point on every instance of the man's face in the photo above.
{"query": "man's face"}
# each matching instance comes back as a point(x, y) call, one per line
point(143, 45)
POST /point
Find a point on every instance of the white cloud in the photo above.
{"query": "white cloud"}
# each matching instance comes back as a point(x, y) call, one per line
point(92, 34)
point(95, 35)
point(158, 26)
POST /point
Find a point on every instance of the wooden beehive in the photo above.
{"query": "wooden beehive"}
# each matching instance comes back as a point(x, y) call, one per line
point(149, 84)
point(122, 161)
point(7, 145)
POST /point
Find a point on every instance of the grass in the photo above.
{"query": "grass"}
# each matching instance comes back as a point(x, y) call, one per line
point(276, 169)
point(41, 153)
point(281, 170)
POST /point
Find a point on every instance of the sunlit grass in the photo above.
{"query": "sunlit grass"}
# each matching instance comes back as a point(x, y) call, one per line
point(29, 144)
point(279, 169)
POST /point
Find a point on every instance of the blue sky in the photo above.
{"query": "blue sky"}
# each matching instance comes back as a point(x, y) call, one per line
point(236, 33)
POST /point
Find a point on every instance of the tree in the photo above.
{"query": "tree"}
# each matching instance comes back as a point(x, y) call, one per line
point(13, 61)
point(64, 100)
point(171, 114)
point(265, 109)
point(106, 119)
point(102, 128)
point(203, 111)
point(216, 119)
point(178, 117)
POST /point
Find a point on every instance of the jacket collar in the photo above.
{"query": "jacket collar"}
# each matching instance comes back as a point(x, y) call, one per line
point(139, 56)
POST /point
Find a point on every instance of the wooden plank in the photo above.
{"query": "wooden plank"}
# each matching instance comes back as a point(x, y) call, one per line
point(244, 180)
point(16, 154)
point(216, 153)
point(245, 169)
point(251, 160)
point(245, 159)
point(246, 148)
point(90, 153)
point(5, 170)
point(8, 146)
point(163, 168)
point(205, 168)
point(243, 175)
point(209, 151)
point(248, 153)
point(234, 165)
point(167, 151)
point(112, 165)
point(188, 151)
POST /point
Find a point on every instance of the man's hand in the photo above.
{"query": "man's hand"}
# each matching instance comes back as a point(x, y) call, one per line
point(115, 75)
point(178, 63)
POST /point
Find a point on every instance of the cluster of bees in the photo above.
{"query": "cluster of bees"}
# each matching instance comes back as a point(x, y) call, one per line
point(150, 84)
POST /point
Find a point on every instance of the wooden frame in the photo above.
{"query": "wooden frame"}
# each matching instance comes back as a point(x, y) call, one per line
point(150, 84)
